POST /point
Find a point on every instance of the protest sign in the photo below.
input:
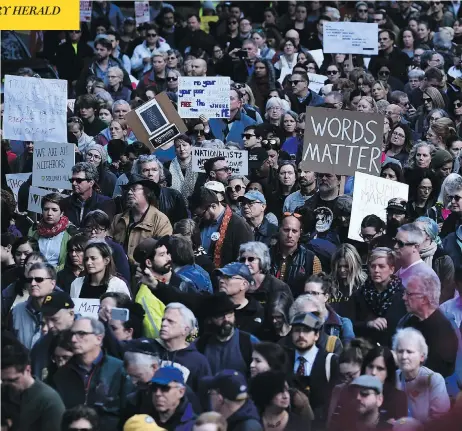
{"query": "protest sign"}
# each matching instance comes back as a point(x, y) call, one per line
point(53, 162)
point(238, 160)
point(35, 109)
point(35, 199)
point(71, 104)
point(371, 196)
point(141, 12)
point(318, 56)
point(15, 181)
point(203, 95)
point(85, 10)
point(350, 38)
point(86, 307)
point(342, 142)
point(156, 122)
point(316, 82)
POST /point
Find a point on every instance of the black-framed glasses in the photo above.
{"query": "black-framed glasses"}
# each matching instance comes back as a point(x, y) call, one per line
point(332, 72)
point(362, 10)
point(89, 229)
point(402, 244)
point(77, 180)
point(151, 34)
point(237, 188)
point(232, 22)
point(295, 81)
point(427, 99)
point(225, 169)
point(37, 279)
point(247, 259)
point(238, 86)
point(368, 236)
point(456, 198)
point(313, 292)
point(80, 334)
point(270, 142)
point(247, 135)
point(172, 78)
point(199, 132)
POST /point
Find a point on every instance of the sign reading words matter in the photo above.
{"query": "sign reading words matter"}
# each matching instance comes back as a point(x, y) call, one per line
point(371, 196)
point(35, 109)
point(350, 38)
point(238, 160)
point(342, 142)
point(53, 162)
point(86, 307)
point(203, 95)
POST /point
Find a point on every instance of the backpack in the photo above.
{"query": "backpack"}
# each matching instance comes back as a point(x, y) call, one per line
point(330, 345)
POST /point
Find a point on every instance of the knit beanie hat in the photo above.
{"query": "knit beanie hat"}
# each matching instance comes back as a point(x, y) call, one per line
point(265, 386)
point(101, 150)
point(440, 158)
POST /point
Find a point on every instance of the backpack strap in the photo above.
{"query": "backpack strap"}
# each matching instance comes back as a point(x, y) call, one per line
point(330, 345)
point(328, 365)
point(245, 346)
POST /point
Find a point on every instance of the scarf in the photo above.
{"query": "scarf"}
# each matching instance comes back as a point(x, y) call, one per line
point(380, 302)
point(221, 239)
point(47, 232)
point(426, 254)
point(183, 183)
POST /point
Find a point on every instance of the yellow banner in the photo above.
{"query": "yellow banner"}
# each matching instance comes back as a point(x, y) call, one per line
point(39, 14)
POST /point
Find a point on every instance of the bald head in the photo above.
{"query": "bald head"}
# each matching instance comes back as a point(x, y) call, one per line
point(293, 34)
point(199, 67)
point(395, 112)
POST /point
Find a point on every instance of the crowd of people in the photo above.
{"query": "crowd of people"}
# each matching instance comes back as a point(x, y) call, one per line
point(230, 302)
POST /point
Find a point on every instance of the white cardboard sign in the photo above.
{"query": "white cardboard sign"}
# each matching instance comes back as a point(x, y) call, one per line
point(15, 181)
point(35, 199)
point(350, 38)
point(318, 56)
point(35, 109)
point(316, 82)
point(204, 95)
point(238, 160)
point(86, 307)
point(371, 196)
point(53, 162)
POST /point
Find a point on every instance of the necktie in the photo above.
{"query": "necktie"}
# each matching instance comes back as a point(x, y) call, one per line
point(301, 366)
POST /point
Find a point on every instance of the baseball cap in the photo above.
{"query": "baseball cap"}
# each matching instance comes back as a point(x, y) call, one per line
point(216, 186)
point(309, 320)
point(254, 195)
point(256, 157)
point(166, 375)
point(397, 204)
point(145, 250)
point(369, 382)
point(235, 268)
point(56, 301)
point(142, 423)
point(229, 383)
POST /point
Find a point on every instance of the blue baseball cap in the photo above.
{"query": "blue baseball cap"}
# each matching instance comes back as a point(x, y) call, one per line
point(231, 384)
point(233, 269)
point(254, 195)
point(166, 375)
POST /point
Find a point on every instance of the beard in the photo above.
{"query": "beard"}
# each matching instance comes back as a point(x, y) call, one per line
point(164, 269)
point(392, 227)
point(224, 330)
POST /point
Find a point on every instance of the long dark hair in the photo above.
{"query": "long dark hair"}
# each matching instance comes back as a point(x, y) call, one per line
point(390, 364)
point(106, 252)
point(274, 354)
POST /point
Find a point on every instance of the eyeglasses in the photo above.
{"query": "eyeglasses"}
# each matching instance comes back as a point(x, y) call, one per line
point(362, 10)
point(289, 214)
point(75, 31)
point(91, 229)
point(295, 82)
point(163, 388)
point(151, 34)
point(77, 180)
point(427, 99)
point(402, 244)
point(456, 198)
point(80, 334)
point(246, 135)
point(232, 22)
point(247, 259)
point(236, 189)
point(457, 105)
point(77, 119)
point(225, 169)
point(332, 72)
point(250, 203)
point(368, 237)
point(406, 293)
point(171, 78)
point(399, 135)
point(270, 142)
point(37, 279)
point(93, 156)
point(238, 86)
point(313, 292)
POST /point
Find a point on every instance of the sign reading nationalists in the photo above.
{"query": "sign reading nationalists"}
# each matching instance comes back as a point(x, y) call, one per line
point(238, 160)
point(35, 199)
point(371, 196)
point(342, 142)
point(35, 109)
point(86, 307)
point(15, 181)
point(350, 38)
point(52, 166)
point(204, 95)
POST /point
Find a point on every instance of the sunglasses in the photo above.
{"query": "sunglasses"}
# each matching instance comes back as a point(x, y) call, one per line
point(163, 388)
point(75, 31)
point(402, 244)
point(384, 72)
point(232, 22)
point(457, 105)
point(77, 180)
point(332, 72)
point(151, 34)
point(289, 214)
point(269, 142)
point(198, 132)
point(427, 99)
point(170, 78)
point(37, 279)
point(294, 82)
point(362, 10)
point(236, 189)
point(368, 237)
point(247, 135)
point(248, 259)
point(238, 86)
point(457, 198)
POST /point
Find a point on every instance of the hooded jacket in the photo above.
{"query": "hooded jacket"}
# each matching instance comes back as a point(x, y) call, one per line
point(182, 420)
point(245, 419)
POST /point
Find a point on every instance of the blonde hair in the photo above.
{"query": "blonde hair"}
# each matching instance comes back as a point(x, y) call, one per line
point(437, 98)
point(385, 252)
point(445, 129)
point(371, 102)
point(212, 418)
point(298, 306)
point(356, 276)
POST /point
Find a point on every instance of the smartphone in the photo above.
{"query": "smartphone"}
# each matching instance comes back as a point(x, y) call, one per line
point(242, 53)
point(120, 314)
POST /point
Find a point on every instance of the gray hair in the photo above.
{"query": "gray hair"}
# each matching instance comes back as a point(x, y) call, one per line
point(213, 143)
point(232, 145)
point(337, 95)
point(91, 173)
point(187, 315)
point(117, 70)
point(413, 152)
point(139, 358)
point(414, 233)
point(260, 250)
point(175, 72)
point(50, 269)
point(416, 73)
point(276, 101)
point(119, 102)
point(431, 286)
point(299, 306)
point(96, 326)
point(147, 158)
point(451, 184)
point(442, 42)
point(409, 334)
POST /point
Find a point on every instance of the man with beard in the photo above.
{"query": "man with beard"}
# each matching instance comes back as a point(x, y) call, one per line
point(225, 346)
point(141, 219)
point(396, 217)
point(307, 182)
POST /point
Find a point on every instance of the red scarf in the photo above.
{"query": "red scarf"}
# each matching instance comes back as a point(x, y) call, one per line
point(221, 239)
point(47, 232)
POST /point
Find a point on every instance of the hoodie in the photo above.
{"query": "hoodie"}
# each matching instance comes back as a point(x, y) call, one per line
point(245, 419)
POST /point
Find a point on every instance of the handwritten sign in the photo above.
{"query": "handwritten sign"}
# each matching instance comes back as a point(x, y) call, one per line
point(85, 10)
point(15, 181)
point(316, 82)
point(141, 12)
point(371, 196)
point(35, 199)
point(52, 164)
point(86, 307)
point(203, 95)
point(238, 161)
point(350, 38)
point(35, 109)
point(342, 142)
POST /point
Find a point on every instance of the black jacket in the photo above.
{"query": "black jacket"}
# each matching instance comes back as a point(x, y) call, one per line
point(398, 63)
point(245, 419)
point(250, 317)
point(70, 63)
point(270, 287)
point(72, 207)
point(172, 204)
point(265, 232)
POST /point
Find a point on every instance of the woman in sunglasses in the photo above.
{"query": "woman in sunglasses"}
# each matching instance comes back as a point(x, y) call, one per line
point(432, 99)
point(174, 60)
point(172, 80)
point(73, 267)
point(234, 190)
point(424, 188)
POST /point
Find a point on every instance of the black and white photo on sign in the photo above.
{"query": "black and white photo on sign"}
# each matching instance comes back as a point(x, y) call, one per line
point(152, 117)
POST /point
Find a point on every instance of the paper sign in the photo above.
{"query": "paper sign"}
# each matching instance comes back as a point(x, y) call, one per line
point(371, 196)
point(53, 162)
point(15, 181)
point(86, 307)
point(350, 38)
point(71, 104)
point(141, 12)
point(203, 95)
point(85, 11)
point(35, 109)
point(238, 160)
point(342, 142)
point(318, 56)
point(35, 199)
point(316, 82)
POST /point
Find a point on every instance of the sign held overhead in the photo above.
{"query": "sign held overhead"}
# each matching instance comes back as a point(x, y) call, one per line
point(350, 38)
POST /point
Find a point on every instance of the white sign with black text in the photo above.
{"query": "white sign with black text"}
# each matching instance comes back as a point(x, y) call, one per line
point(238, 160)
point(350, 38)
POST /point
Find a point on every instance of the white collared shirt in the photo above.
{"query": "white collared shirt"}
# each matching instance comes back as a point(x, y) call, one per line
point(310, 356)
